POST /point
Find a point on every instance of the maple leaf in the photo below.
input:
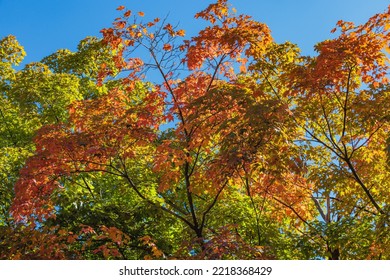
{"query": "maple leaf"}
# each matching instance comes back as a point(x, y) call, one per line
point(127, 13)
point(167, 47)
point(293, 142)
point(180, 32)
point(168, 27)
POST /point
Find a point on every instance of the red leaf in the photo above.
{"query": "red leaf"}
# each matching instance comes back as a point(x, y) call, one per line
point(167, 47)
point(127, 14)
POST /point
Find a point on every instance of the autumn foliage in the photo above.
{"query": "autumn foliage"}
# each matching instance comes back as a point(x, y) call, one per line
point(241, 149)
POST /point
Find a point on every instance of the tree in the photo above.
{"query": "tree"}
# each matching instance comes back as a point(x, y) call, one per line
point(296, 144)
point(13, 150)
point(37, 95)
point(347, 86)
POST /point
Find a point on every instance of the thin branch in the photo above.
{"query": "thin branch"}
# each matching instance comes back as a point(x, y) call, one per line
point(189, 195)
point(363, 186)
point(212, 205)
point(345, 107)
point(318, 206)
point(88, 187)
point(143, 197)
point(299, 216)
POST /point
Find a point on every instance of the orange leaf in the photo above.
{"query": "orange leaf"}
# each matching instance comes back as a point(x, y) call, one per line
point(181, 32)
point(127, 14)
point(169, 28)
point(120, 24)
point(141, 14)
point(120, 8)
point(167, 47)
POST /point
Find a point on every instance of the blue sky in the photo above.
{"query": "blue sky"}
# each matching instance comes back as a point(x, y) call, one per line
point(44, 26)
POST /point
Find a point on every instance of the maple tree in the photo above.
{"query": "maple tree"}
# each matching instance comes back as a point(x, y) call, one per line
point(34, 96)
point(347, 87)
point(243, 146)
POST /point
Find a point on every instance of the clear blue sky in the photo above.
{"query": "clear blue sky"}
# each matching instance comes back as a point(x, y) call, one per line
point(44, 26)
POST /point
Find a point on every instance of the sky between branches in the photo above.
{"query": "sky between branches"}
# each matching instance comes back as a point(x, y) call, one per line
point(45, 26)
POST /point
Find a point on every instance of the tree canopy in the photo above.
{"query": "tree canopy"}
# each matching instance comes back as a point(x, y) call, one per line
point(145, 144)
